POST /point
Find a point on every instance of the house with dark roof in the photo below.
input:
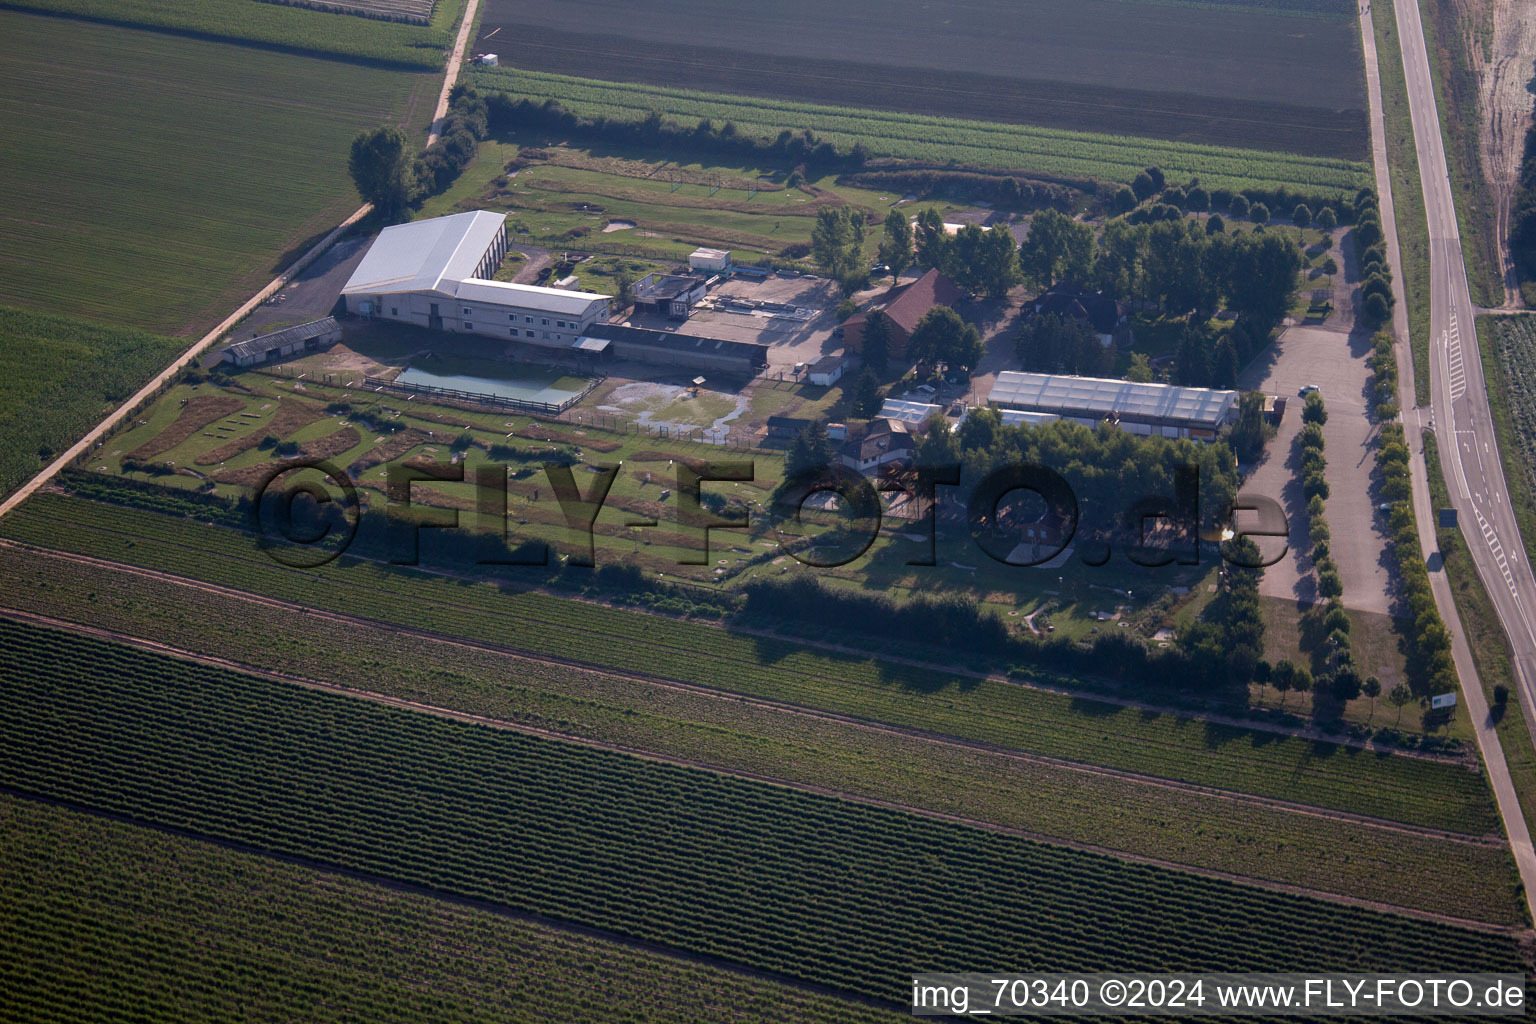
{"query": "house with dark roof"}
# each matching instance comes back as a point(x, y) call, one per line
point(1103, 314)
point(290, 341)
point(880, 441)
point(901, 309)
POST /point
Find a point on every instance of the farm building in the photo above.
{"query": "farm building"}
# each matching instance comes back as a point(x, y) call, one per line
point(668, 295)
point(879, 442)
point(665, 348)
point(436, 273)
point(283, 344)
point(711, 261)
point(826, 371)
point(1160, 409)
point(902, 308)
point(1098, 311)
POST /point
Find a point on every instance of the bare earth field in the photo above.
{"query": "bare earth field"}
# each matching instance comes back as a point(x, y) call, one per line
point(1236, 76)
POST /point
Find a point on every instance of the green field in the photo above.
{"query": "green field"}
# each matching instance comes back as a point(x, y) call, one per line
point(1237, 75)
point(1141, 818)
point(1397, 788)
point(1042, 151)
point(808, 887)
point(164, 178)
point(1508, 345)
point(58, 377)
point(99, 918)
point(282, 27)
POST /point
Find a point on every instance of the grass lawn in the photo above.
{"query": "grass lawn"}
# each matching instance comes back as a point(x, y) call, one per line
point(164, 178)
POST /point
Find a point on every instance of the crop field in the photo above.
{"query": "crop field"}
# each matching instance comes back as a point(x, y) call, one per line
point(1232, 76)
point(276, 25)
point(1036, 150)
point(1389, 866)
point(58, 377)
point(1398, 788)
point(165, 177)
point(188, 931)
point(807, 887)
point(1509, 365)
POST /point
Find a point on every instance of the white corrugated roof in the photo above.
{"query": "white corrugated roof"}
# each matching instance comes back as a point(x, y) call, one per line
point(562, 301)
point(1098, 397)
point(1013, 417)
point(424, 255)
point(908, 412)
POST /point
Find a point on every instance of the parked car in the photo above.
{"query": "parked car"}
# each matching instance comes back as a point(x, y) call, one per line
point(1307, 389)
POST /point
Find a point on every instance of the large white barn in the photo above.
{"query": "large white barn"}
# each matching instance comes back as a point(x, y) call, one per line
point(436, 273)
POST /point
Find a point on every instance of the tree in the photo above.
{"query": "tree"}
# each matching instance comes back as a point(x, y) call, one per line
point(1193, 361)
point(932, 241)
point(382, 168)
point(979, 429)
point(1143, 187)
point(877, 343)
point(1052, 344)
point(1239, 206)
point(1372, 689)
point(1197, 200)
point(836, 242)
point(1376, 308)
point(896, 246)
point(866, 394)
point(1057, 248)
point(1123, 201)
point(811, 449)
point(1329, 583)
point(1224, 364)
point(1282, 677)
point(1140, 370)
point(1302, 215)
point(1399, 698)
point(1327, 220)
point(1158, 181)
point(1214, 225)
point(941, 336)
point(1313, 410)
point(996, 269)
point(1258, 213)
point(1248, 431)
point(626, 283)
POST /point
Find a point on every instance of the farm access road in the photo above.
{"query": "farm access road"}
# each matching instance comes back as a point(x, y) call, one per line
point(272, 287)
point(1449, 301)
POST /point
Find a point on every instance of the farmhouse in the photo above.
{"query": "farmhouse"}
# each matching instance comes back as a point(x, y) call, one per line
point(436, 273)
point(665, 348)
point(902, 309)
point(1102, 314)
point(1159, 409)
point(880, 442)
point(290, 341)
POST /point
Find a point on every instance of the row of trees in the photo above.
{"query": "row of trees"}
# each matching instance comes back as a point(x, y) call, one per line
point(1522, 218)
point(1376, 273)
point(1231, 630)
point(393, 178)
point(1151, 189)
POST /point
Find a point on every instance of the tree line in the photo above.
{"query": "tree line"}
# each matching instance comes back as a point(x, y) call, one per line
point(394, 179)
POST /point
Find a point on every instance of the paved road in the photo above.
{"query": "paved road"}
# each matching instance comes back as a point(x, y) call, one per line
point(1459, 405)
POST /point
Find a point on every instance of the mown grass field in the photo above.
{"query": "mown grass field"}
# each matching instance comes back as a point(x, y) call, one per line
point(183, 930)
point(278, 26)
point(164, 178)
point(809, 887)
point(1412, 790)
point(58, 377)
point(1233, 76)
point(1508, 346)
point(1132, 816)
point(1042, 151)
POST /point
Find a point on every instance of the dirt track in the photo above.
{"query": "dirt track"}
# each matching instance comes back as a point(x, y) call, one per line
point(1506, 107)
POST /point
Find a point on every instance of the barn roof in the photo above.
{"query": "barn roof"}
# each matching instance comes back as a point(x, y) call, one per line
point(1096, 397)
point(426, 255)
point(297, 334)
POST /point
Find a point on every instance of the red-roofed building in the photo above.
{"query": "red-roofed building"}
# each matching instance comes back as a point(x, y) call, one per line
point(902, 308)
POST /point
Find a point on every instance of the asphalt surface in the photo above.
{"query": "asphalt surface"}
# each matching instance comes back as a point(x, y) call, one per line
point(1459, 404)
